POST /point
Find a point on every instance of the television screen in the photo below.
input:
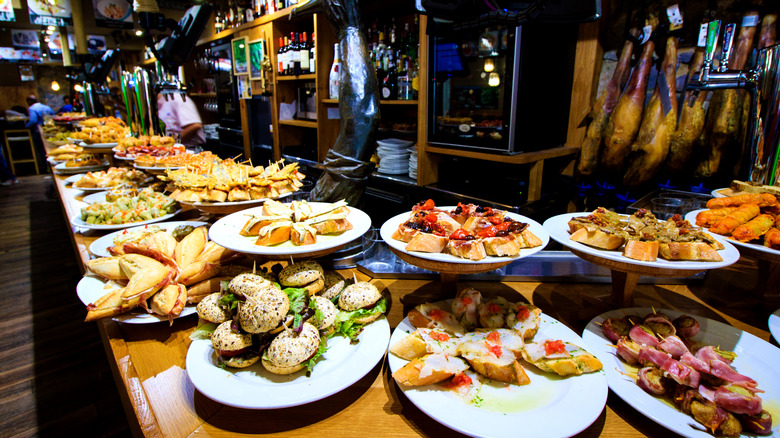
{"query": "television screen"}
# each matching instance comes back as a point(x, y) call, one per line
point(448, 58)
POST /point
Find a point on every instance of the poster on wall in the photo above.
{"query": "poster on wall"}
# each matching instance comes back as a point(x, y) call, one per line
point(7, 11)
point(9, 54)
point(256, 55)
point(113, 13)
point(25, 39)
point(26, 73)
point(240, 65)
point(50, 12)
point(96, 44)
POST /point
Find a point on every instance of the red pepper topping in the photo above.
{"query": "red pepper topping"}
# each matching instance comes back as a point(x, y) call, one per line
point(459, 234)
point(552, 347)
point(495, 349)
point(523, 313)
point(428, 205)
point(466, 300)
point(487, 232)
point(494, 337)
point(461, 380)
point(436, 314)
point(495, 220)
point(494, 308)
point(439, 336)
point(430, 217)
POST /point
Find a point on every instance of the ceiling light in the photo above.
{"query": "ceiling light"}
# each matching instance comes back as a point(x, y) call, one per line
point(55, 86)
point(78, 88)
point(489, 65)
point(139, 32)
point(50, 27)
point(494, 80)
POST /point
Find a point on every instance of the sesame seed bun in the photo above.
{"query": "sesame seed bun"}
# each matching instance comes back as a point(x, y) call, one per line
point(358, 296)
point(334, 284)
point(208, 309)
point(289, 350)
point(300, 274)
point(263, 310)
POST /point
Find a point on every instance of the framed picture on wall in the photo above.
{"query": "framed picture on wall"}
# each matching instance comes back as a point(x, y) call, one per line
point(240, 58)
point(256, 57)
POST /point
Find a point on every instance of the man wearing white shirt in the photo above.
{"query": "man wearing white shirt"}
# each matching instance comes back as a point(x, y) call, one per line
point(181, 118)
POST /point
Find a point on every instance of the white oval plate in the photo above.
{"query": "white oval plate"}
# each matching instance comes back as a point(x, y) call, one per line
point(558, 227)
point(95, 197)
point(100, 246)
point(61, 168)
point(255, 388)
point(756, 358)
point(774, 325)
point(78, 222)
point(73, 178)
point(90, 289)
point(691, 217)
point(389, 227)
point(550, 406)
point(225, 232)
point(97, 145)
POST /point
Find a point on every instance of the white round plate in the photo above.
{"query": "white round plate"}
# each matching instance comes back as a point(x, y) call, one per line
point(73, 178)
point(98, 145)
point(717, 192)
point(550, 406)
point(122, 13)
point(756, 358)
point(61, 168)
point(558, 227)
point(95, 197)
point(225, 232)
point(255, 388)
point(42, 7)
point(100, 246)
point(774, 325)
point(78, 222)
point(156, 168)
point(691, 217)
point(389, 227)
point(93, 189)
point(124, 158)
point(249, 203)
point(90, 289)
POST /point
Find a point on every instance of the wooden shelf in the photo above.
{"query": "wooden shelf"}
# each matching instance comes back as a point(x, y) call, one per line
point(256, 22)
point(306, 77)
point(202, 94)
point(300, 123)
point(525, 158)
point(381, 102)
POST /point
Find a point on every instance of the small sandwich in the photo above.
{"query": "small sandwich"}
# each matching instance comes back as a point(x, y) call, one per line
point(233, 346)
point(325, 314)
point(361, 303)
point(334, 284)
point(210, 310)
point(307, 275)
point(293, 351)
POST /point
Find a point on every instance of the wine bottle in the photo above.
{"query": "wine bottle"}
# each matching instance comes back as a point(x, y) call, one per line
point(303, 50)
point(312, 55)
point(334, 78)
point(280, 57)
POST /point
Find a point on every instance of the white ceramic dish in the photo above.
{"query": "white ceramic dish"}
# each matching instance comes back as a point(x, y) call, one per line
point(549, 406)
point(391, 225)
point(756, 358)
point(98, 145)
point(73, 178)
point(95, 197)
point(558, 228)
point(691, 217)
point(78, 222)
point(774, 325)
point(100, 246)
point(90, 289)
point(62, 169)
point(225, 232)
point(255, 388)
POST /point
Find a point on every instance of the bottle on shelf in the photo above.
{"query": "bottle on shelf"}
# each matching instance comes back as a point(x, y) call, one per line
point(334, 78)
point(303, 50)
point(219, 21)
point(280, 61)
point(295, 51)
point(379, 57)
point(312, 55)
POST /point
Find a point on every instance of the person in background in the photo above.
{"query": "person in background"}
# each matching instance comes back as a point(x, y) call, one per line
point(67, 107)
point(36, 112)
point(181, 119)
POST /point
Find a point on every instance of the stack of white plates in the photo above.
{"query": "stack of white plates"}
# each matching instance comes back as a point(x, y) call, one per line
point(413, 164)
point(394, 155)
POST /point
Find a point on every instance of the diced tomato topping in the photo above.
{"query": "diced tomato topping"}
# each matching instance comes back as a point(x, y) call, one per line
point(523, 313)
point(461, 380)
point(231, 353)
point(552, 347)
point(459, 234)
point(439, 336)
point(466, 300)
point(487, 232)
point(495, 349)
point(428, 205)
point(494, 337)
point(438, 229)
point(494, 308)
point(431, 218)
point(436, 314)
point(495, 220)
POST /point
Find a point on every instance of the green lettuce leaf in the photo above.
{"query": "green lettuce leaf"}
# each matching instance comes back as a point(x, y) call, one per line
point(203, 331)
point(314, 359)
point(345, 324)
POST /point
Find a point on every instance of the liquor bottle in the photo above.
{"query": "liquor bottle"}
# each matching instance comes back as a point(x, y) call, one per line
point(303, 50)
point(312, 55)
point(334, 78)
point(280, 58)
point(295, 49)
point(219, 21)
point(379, 58)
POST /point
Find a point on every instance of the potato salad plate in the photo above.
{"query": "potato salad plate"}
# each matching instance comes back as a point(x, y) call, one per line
point(253, 387)
point(755, 358)
point(80, 223)
point(550, 406)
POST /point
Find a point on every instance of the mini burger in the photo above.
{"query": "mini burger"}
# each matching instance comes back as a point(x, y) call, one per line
point(324, 315)
point(307, 275)
point(264, 310)
point(233, 346)
point(360, 304)
point(293, 350)
point(210, 310)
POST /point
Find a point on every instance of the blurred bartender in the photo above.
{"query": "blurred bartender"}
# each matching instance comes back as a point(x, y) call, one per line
point(181, 119)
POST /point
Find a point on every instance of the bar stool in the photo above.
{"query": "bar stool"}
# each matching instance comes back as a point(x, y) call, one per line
point(17, 136)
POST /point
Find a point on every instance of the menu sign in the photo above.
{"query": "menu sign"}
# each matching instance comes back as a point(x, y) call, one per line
point(7, 11)
point(50, 12)
point(25, 39)
point(9, 54)
point(113, 13)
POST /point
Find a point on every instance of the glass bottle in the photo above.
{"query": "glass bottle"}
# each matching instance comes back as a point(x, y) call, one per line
point(312, 55)
point(303, 49)
point(334, 78)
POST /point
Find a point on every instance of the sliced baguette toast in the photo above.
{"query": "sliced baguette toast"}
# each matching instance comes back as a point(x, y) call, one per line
point(691, 251)
point(639, 250)
point(597, 238)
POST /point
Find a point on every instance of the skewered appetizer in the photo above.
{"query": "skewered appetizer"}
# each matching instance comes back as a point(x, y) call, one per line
point(298, 222)
point(155, 146)
point(65, 152)
point(111, 177)
point(468, 231)
point(226, 180)
point(746, 218)
point(698, 378)
point(643, 237)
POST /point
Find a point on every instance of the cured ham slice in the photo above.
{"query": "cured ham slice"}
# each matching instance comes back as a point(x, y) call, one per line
point(737, 401)
point(643, 336)
point(691, 124)
point(681, 373)
point(659, 121)
point(649, 355)
point(623, 124)
point(710, 354)
point(628, 350)
point(651, 379)
point(725, 372)
point(695, 363)
point(674, 346)
point(589, 151)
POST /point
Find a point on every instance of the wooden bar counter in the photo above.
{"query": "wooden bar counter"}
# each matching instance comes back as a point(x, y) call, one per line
point(148, 360)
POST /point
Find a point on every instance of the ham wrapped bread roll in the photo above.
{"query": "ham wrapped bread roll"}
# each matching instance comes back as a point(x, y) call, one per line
point(738, 217)
point(754, 228)
point(760, 199)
